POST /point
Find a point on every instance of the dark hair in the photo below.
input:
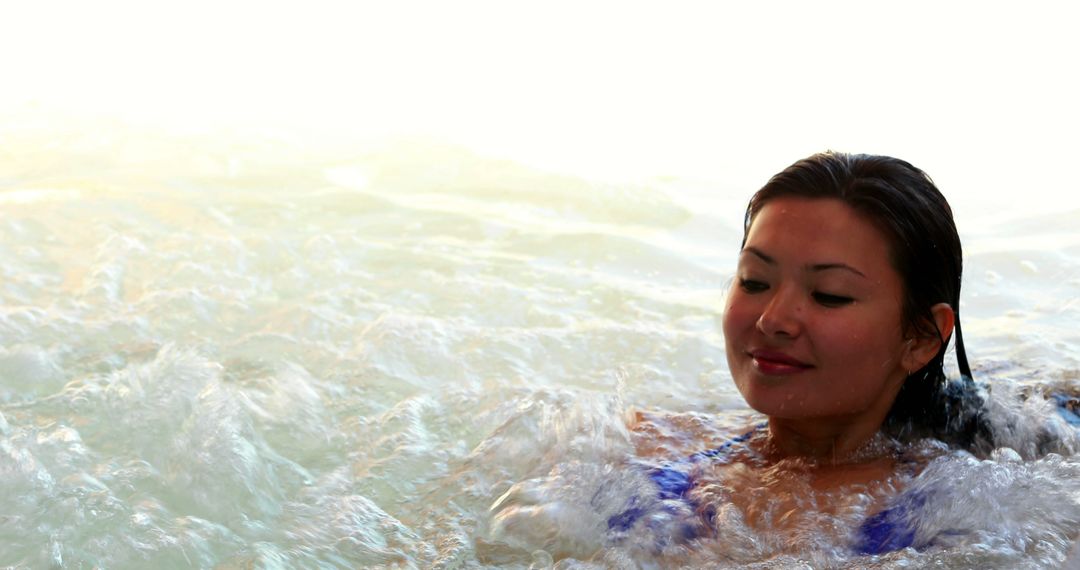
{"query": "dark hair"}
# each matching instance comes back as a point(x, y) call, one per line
point(903, 203)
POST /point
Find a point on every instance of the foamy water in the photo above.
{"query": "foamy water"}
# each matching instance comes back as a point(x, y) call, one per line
point(249, 356)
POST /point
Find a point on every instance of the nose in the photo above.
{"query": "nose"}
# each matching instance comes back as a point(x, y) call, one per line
point(782, 315)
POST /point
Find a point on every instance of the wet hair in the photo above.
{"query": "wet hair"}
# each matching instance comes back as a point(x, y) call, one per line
point(905, 205)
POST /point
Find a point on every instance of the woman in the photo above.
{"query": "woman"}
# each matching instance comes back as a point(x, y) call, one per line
point(845, 298)
point(853, 260)
point(837, 322)
point(846, 294)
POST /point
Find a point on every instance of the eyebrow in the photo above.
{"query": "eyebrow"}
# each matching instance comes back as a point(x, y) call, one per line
point(814, 267)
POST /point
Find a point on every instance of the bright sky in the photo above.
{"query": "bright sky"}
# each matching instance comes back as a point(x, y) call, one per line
point(983, 95)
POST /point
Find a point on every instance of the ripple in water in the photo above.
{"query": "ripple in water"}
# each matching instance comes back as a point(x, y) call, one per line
point(436, 364)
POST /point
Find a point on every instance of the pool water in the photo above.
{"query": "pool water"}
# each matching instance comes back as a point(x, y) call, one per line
point(251, 355)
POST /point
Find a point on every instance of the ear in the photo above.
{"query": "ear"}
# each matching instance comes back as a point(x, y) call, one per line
point(920, 350)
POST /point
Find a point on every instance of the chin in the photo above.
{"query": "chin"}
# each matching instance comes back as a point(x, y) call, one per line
point(780, 403)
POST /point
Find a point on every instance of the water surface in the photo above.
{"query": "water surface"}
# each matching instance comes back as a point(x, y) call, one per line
point(255, 355)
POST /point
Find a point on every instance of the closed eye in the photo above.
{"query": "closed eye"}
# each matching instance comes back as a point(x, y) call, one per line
point(753, 286)
point(829, 300)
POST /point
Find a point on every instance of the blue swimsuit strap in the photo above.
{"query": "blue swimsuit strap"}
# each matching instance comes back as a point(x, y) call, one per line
point(886, 531)
point(673, 481)
point(893, 528)
point(722, 451)
point(673, 477)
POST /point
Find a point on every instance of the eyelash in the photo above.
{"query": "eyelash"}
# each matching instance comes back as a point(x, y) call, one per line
point(829, 300)
point(752, 286)
point(825, 299)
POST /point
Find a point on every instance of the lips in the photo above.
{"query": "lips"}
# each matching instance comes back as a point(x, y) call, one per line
point(777, 363)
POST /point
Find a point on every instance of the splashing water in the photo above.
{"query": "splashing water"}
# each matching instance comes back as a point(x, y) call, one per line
point(237, 357)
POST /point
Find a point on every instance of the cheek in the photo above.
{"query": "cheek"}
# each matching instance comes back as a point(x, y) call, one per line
point(845, 333)
point(740, 315)
point(864, 344)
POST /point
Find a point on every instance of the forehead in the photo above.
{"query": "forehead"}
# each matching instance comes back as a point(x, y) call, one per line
point(820, 229)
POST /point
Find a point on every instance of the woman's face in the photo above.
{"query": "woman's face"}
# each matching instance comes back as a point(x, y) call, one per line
point(813, 318)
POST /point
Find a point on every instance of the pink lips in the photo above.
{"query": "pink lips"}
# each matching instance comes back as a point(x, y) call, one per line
point(777, 363)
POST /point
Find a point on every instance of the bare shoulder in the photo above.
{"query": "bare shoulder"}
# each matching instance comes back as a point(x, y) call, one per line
point(661, 433)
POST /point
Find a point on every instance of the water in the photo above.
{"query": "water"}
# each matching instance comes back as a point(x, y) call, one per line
point(239, 354)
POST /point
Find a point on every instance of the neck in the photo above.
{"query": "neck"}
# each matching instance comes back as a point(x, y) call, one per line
point(831, 439)
point(826, 441)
